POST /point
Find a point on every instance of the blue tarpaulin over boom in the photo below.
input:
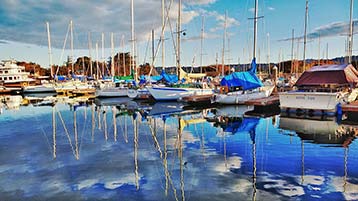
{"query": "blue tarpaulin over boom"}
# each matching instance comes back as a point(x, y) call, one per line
point(169, 78)
point(247, 80)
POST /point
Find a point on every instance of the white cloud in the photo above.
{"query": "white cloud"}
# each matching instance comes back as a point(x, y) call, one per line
point(200, 2)
point(271, 8)
point(25, 21)
point(220, 19)
point(329, 30)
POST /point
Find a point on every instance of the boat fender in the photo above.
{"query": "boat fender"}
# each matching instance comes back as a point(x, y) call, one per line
point(339, 109)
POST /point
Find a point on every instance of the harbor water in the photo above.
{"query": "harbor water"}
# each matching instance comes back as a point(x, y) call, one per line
point(57, 148)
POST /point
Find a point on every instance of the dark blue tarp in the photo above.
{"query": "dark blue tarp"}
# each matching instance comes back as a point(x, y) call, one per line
point(247, 80)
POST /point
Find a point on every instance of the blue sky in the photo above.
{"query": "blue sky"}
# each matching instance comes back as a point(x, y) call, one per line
point(23, 32)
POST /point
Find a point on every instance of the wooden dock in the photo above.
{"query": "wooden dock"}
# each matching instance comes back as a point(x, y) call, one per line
point(271, 100)
point(350, 112)
point(351, 107)
point(264, 107)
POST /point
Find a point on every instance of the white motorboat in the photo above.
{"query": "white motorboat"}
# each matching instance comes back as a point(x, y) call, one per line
point(322, 88)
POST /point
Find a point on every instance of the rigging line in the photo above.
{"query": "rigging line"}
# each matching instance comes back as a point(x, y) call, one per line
point(158, 148)
point(146, 49)
point(156, 143)
point(167, 21)
point(172, 34)
point(63, 49)
point(67, 133)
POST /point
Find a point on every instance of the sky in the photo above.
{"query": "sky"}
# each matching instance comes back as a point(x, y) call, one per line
point(23, 34)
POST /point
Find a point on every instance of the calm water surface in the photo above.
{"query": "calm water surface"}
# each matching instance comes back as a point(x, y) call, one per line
point(117, 149)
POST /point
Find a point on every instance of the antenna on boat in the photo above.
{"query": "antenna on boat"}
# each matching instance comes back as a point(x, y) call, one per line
point(350, 35)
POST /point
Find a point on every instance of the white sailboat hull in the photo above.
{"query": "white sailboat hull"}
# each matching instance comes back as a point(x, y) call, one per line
point(240, 97)
point(39, 89)
point(112, 92)
point(173, 94)
point(309, 100)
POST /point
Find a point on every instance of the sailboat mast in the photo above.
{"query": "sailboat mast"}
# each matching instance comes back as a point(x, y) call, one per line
point(49, 48)
point(153, 51)
point(201, 44)
point(103, 60)
point(319, 49)
point(132, 40)
point(255, 28)
point(350, 35)
point(124, 57)
point(162, 34)
point(71, 28)
point(178, 39)
point(90, 53)
point(97, 65)
point(268, 53)
point(223, 50)
point(305, 38)
point(292, 48)
point(112, 55)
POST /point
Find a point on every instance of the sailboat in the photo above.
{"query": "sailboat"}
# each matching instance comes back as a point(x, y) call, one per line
point(165, 93)
point(239, 87)
point(322, 88)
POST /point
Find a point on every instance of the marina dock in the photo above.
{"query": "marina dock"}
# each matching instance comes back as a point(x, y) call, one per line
point(264, 107)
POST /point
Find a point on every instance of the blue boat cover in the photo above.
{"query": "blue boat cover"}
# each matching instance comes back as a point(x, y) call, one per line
point(247, 80)
point(171, 79)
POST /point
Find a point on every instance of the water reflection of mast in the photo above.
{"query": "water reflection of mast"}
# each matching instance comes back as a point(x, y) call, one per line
point(93, 121)
point(345, 169)
point(302, 161)
point(166, 172)
point(135, 129)
point(164, 157)
point(99, 118)
point(114, 123)
point(254, 169)
point(105, 123)
point(54, 131)
point(76, 134)
point(180, 156)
